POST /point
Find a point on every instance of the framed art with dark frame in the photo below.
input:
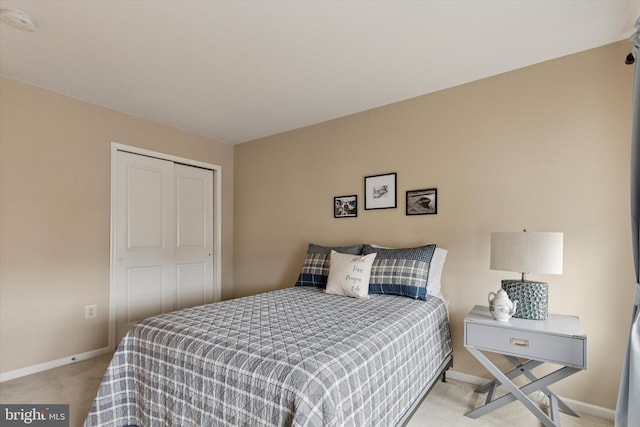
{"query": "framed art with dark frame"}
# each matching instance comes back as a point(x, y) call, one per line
point(380, 191)
point(422, 202)
point(345, 206)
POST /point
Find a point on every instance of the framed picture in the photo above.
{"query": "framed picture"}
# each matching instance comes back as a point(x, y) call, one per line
point(380, 191)
point(422, 202)
point(345, 206)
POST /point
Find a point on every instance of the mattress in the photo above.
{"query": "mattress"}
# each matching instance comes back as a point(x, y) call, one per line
point(291, 357)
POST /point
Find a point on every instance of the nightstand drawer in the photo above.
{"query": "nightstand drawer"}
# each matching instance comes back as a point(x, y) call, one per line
point(561, 349)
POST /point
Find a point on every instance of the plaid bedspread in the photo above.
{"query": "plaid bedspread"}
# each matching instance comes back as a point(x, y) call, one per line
point(292, 357)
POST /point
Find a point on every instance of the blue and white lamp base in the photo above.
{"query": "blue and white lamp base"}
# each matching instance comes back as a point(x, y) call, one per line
point(532, 298)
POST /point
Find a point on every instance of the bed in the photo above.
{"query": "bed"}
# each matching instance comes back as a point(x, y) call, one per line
point(298, 356)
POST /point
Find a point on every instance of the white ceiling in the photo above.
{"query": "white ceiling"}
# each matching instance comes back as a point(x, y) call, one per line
point(240, 70)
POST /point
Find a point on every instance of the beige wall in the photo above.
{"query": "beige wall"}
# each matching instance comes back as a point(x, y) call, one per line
point(54, 217)
point(545, 147)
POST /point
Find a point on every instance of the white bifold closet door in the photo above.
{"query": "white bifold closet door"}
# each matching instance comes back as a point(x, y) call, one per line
point(164, 238)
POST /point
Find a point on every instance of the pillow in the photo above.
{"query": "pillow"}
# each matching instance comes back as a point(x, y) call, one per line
point(434, 281)
point(435, 273)
point(400, 271)
point(349, 275)
point(315, 268)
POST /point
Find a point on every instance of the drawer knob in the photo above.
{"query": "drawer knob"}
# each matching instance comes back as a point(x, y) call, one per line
point(519, 342)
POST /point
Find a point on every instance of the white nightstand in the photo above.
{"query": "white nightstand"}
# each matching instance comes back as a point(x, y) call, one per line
point(560, 340)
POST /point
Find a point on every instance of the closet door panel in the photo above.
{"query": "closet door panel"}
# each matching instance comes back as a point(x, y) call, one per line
point(191, 284)
point(194, 235)
point(145, 214)
point(142, 294)
point(191, 210)
point(144, 239)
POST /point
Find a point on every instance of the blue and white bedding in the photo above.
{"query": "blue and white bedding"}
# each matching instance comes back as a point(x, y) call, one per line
point(292, 357)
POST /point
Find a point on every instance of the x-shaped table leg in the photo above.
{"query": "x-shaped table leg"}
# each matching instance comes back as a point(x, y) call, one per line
point(525, 369)
point(522, 393)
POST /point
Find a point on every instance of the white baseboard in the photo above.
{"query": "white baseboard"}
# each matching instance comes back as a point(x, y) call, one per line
point(576, 405)
point(22, 372)
point(589, 409)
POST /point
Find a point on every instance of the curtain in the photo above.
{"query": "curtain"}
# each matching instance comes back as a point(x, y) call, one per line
point(628, 405)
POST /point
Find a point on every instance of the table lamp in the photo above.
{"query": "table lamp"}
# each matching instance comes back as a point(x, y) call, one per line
point(527, 252)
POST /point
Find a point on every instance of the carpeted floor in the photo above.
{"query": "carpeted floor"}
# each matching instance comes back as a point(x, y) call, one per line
point(447, 403)
point(76, 384)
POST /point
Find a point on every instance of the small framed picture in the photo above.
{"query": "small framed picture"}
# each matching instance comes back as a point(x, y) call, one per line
point(422, 202)
point(380, 191)
point(345, 206)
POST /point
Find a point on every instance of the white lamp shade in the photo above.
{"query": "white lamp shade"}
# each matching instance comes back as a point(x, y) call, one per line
point(527, 252)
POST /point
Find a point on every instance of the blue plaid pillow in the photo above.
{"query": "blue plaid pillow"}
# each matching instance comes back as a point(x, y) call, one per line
point(315, 269)
point(400, 271)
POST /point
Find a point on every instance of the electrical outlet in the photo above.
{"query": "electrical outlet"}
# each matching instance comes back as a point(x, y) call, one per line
point(90, 311)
